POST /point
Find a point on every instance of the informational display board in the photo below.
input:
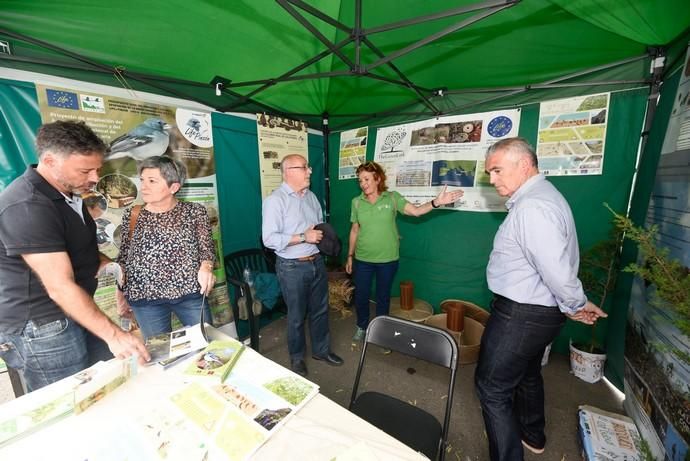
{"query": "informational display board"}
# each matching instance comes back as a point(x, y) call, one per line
point(278, 137)
point(136, 130)
point(572, 132)
point(353, 150)
point(421, 158)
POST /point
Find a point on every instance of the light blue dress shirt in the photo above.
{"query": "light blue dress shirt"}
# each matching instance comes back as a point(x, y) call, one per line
point(286, 213)
point(535, 257)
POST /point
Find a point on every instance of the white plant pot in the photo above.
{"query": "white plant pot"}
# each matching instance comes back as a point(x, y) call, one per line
point(585, 365)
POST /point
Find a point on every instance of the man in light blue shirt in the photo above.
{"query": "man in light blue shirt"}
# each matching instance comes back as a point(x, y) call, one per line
point(532, 272)
point(289, 216)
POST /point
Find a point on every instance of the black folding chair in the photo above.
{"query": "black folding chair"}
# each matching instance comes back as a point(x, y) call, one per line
point(411, 425)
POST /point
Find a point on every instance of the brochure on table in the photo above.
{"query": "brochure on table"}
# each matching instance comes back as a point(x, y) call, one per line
point(206, 417)
point(167, 347)
point(192, 417)
point(68, 396)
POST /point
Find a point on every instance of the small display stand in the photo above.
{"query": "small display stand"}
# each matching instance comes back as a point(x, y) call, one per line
point(421, 310)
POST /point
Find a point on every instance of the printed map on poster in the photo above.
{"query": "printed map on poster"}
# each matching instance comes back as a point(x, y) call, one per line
point(278, 137)
point(421, 158)
point(135, 130)
point(572, 132)
point(353, 151)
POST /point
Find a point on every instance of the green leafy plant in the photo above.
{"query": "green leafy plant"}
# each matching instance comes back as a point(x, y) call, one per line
point(669, 276)
point(599, 268)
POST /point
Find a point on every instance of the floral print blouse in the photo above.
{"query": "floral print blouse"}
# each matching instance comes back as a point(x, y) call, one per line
point(162, 258)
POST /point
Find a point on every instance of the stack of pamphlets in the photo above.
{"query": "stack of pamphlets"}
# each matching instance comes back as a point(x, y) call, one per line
point(168, 348)
point(73, 394)
point(217, 359)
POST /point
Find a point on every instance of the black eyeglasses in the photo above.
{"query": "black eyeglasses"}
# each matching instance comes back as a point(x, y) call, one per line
point(305, 168)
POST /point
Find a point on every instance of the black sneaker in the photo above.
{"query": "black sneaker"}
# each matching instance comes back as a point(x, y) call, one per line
point(299, 367)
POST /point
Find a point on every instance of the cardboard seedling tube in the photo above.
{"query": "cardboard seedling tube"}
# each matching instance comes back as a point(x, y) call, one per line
point(406, 295)
point(455, 318)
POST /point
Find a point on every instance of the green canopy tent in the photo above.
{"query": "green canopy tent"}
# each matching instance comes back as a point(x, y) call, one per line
point(355, 62)
point(345, 64)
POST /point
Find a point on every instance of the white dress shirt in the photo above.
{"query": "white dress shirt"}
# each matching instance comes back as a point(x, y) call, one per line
point(535, 257)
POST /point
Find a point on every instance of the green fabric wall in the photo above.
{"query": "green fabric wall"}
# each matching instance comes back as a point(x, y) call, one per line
point(445, 252)
point(239, 187)
point(19, 120)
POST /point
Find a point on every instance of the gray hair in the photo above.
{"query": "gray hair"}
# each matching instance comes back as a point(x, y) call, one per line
point(515, 145)
point(65, 138)
point(173, 171)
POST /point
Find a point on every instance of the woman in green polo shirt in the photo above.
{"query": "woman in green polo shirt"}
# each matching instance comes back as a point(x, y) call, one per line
point(374, 244)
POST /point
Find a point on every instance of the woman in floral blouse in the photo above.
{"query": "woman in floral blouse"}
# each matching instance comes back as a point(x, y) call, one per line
point(168, 258)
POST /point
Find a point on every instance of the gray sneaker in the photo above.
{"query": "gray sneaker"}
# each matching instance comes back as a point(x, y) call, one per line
point(359, 334)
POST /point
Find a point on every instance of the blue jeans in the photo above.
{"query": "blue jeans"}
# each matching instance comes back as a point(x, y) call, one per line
point(304, 285)
point(155, 319)
point(363, 275)
point(508, 375)
point(46, 353)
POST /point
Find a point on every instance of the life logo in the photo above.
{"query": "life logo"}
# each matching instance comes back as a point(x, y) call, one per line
point(195, 126)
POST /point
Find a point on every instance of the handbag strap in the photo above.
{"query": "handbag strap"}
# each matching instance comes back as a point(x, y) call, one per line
point(136, 209)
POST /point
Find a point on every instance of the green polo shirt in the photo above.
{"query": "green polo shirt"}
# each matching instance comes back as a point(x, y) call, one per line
point(378, 240)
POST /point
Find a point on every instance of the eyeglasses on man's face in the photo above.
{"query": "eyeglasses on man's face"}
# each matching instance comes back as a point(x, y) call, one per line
point(303, 168)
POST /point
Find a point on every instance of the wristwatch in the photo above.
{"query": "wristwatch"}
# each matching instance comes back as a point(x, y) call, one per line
point(302, 238)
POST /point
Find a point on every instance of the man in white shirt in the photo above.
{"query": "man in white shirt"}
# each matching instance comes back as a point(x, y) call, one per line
point(289, 217)
point(532, 272)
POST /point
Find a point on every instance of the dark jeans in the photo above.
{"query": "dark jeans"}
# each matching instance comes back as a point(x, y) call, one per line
point(154, 319)
point(304, 285)
point(50, 352)
point(508, 375)
point(363, 275)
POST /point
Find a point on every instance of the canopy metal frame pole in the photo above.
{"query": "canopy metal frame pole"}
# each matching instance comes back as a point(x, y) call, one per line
point(326, 165)
point(270, 82)
point(512, 91)
point(91, 65)
point(315, 32)
point(440, 34)
point(359, 36)
point(441, 15)
point(658, 57)
point(355, 68)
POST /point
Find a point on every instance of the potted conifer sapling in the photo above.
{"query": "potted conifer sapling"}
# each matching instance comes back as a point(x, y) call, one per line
point(599, 268)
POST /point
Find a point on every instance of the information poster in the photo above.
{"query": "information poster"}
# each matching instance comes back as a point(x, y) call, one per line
point(572, 132)
point(657, 352)
point(353, 151)
point(421, 158)
point(278, 137)
point(135, 130)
